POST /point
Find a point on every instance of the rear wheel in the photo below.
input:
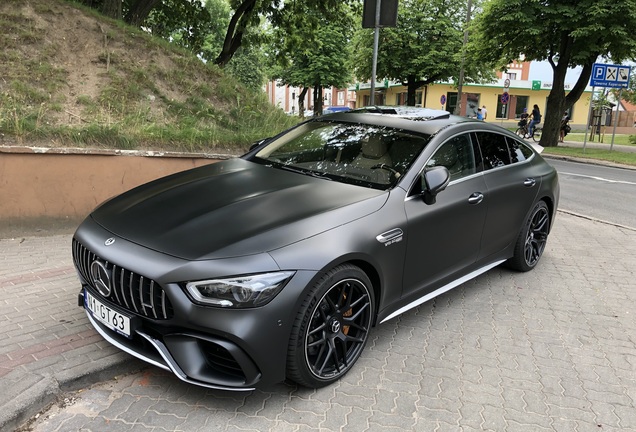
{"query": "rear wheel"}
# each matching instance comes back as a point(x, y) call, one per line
point(331, 328)
point(532, 239)
point(521, 132)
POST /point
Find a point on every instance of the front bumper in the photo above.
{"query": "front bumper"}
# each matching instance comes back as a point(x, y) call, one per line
point(221, 348)
point(192, 363)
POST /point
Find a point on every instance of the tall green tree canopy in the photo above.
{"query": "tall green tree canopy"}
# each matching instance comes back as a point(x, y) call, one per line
point(313, 55)
point(426, 46)
point(566, 33)
point(248, 13)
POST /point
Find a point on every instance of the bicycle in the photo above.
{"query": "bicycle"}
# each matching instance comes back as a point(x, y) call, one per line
point(522, 131)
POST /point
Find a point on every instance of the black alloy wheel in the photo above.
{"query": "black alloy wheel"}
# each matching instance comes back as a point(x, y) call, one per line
point(532, 239)
point(332, 327)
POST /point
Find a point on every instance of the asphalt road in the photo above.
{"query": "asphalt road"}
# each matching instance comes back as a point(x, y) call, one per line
point(597, 191)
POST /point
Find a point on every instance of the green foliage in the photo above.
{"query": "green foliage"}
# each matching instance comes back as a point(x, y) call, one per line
point(153, 95)
point(563, 32)
point(632, 139)
point(426, 46)
point(315, 51)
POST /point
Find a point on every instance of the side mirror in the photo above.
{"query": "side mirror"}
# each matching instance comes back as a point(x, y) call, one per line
point(434, 180)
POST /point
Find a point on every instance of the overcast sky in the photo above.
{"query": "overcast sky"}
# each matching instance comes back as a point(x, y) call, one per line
point(542, 71)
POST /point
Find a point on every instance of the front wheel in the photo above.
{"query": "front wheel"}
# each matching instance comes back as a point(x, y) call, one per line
point(536, 136)
point(332, 327)
point(532, 239)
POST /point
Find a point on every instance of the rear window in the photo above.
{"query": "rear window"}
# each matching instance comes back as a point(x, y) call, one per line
point(494, 150)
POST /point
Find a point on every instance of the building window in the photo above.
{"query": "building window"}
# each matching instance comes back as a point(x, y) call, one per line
point(451, 102)
point(379, 99)
point(511, 75)
point(522, 102)
point(472, 103)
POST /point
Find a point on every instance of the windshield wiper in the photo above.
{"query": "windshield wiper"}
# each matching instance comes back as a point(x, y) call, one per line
point(304, 171)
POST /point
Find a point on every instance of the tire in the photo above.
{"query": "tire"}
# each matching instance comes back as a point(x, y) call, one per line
point(532, 239)
point(331, 328)
point(521, 132)
point(536, 136)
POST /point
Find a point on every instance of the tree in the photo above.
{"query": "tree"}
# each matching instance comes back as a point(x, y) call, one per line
point(248, 13)
point(426, 46)
point(187, 23)
point(565, 33)
point(313, 55)
point(630, 93)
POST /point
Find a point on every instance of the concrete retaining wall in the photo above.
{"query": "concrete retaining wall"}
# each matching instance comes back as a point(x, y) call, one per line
point(69, 183)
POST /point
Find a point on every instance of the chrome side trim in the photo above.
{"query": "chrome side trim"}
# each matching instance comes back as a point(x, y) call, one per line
point(442, 290)
point(170, 365)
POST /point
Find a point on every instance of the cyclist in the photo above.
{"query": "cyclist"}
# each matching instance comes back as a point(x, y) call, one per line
point(536, 119)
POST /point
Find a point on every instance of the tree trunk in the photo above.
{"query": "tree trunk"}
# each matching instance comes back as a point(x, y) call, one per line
point(318, 99)
point(112, 9)
point(301, 102)
point(139, 11)
point(411, 88)
point(558, 102)
point(235, 30)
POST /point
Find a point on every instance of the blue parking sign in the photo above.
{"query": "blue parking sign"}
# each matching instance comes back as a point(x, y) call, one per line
point(609, 75)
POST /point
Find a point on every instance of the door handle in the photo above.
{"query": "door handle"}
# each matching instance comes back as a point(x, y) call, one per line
point(529, 182)
point(476, 198)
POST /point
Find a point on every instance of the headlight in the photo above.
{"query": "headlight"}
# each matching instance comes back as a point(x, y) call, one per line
point(240, 291)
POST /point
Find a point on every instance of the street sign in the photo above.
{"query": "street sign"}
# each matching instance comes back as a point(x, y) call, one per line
point(505, 98)
point(442, 100)
point(506, 83)
point(388, 13)
point(608, 75)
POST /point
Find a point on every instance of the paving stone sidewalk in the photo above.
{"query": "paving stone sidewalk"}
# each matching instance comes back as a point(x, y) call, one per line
point(549, 350)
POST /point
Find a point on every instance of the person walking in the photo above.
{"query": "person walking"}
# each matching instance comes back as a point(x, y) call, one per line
point(536, 119)
point(484, 112)
point(565, 127)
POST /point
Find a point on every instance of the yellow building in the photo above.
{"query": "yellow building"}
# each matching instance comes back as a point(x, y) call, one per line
point(521, 94)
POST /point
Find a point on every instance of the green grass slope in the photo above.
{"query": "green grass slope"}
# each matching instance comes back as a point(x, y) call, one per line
point(73, 78)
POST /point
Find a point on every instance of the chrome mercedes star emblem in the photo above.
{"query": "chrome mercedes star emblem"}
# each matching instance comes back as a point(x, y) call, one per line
point(101, 278)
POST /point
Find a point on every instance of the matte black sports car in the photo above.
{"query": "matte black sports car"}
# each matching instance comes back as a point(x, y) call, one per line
point(277, 264)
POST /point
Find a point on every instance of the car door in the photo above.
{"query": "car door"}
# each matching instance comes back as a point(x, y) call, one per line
point(512, 187)
point(444, 237)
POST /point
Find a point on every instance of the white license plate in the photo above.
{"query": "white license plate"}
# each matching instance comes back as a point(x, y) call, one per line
point(107, 316)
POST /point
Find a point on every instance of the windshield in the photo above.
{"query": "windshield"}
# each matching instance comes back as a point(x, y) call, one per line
point(372, 156)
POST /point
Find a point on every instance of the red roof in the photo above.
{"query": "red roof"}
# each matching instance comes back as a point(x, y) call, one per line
point(627, 106)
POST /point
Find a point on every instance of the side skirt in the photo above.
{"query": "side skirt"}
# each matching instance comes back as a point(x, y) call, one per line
point(442, 290)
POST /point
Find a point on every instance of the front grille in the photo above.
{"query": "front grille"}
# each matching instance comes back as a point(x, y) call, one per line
point(130, 290)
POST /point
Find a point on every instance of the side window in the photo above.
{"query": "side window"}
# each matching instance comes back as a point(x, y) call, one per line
point(457, 156)
point(494, 150)
point(519, 152)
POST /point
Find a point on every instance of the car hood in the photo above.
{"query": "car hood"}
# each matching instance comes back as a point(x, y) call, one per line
point(233, 208)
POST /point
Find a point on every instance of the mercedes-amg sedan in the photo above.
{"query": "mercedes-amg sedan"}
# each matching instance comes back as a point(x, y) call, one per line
point(277, 264)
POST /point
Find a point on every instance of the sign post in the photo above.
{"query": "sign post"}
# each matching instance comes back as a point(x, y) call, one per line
point(376, 14)
point(607, 75)
point(442, 100)
point(505, 98)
